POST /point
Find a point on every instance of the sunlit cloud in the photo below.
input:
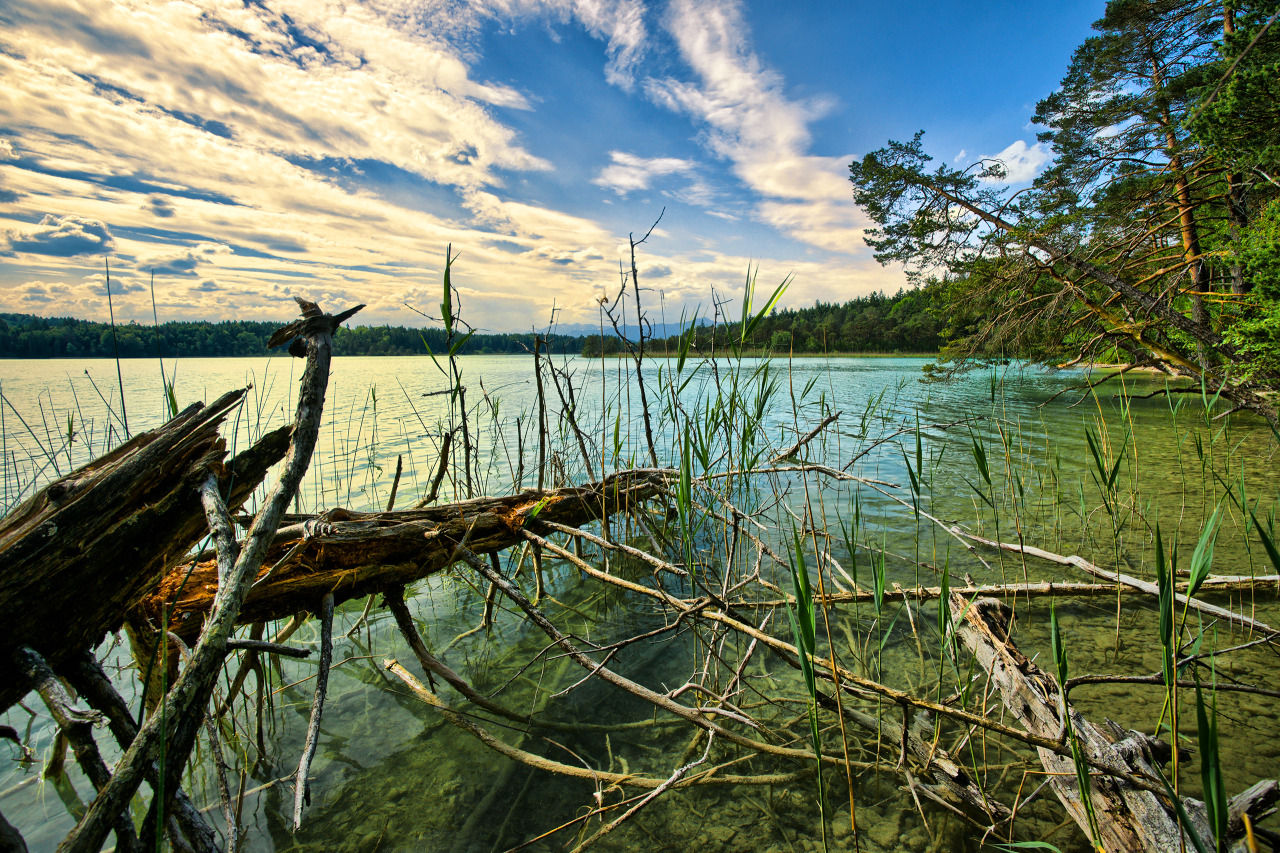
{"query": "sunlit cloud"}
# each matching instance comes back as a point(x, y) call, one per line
point(1022, 163)
point(751, 122)
point(149, 132)
point(63, 237)
point(628, 172)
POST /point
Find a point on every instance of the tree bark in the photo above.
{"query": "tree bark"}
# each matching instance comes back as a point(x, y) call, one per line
point(353, 554)
point(1126, 818)
point(94, 542)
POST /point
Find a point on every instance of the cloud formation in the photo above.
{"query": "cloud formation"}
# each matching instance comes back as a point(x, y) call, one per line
point(629, 172)
point(332, 148)
point(63, 237)
point(1022, 163)
point(751, 122)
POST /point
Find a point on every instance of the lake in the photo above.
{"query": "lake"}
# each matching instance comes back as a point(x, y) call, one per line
point(994, 451)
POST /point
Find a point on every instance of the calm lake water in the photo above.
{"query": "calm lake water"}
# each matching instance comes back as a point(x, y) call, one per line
point(392, 775)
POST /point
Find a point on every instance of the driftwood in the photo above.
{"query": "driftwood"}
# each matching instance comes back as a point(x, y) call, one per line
point(1021, 589)
point(169, 733)
point(1126, 817)
point(352, 554)
point(93, 542)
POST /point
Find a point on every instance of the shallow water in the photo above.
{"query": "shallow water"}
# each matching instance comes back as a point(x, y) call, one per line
point(391, 774)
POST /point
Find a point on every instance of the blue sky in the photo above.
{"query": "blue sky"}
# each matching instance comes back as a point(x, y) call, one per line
point(247, 151)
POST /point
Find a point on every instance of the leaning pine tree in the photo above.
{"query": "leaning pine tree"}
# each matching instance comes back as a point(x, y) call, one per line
point(1152, 234)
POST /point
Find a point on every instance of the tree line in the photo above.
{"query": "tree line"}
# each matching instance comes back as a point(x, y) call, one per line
point(904, 322)
point(1153, 235)
point(907, 322)
point(27, 336)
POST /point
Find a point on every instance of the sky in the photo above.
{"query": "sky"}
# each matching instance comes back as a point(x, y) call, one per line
point(221, 156)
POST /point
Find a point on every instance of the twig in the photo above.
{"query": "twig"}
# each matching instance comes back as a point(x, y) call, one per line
point(77, 726)
point(269, 648)
point(671, 780)
point(808, 437)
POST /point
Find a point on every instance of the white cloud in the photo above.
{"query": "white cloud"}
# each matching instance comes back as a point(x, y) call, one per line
point(177, 123)
point(619, 23)
point(751, 122)
point(628, 172)
point(1021, 162)
point(368, 91)
point(64, 237)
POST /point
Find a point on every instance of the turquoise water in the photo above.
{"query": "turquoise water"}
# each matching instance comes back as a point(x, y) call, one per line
point(391, 774)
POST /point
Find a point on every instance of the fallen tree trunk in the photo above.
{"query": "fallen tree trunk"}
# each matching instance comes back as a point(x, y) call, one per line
point(88, 546)
point(353, 554)
point(1126, 818)
point(168, 735)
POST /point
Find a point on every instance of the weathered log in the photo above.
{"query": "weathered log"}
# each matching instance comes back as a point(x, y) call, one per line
point(95, 541)
point(353, 554)
point(1126, 817)
point(1020, 589)
point(170, 732)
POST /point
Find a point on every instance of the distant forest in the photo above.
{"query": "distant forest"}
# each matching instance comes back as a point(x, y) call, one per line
point(906, 322)
point(874, 323)
point(25, 336)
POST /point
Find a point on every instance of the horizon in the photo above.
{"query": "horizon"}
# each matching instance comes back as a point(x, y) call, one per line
point(244, 155)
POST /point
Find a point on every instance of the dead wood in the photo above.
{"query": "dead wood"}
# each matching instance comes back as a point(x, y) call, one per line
point(1033, 589)
point(1126, 817)
point(353, 554)
point(1135, 583)
point(302, 784)
point(11, 841)
point(95, 541)
point(86, 675)
point(805, 439)
point(171, 731)
point(77, 726)
point(711, 777)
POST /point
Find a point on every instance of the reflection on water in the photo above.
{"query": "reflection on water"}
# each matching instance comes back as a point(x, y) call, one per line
point(391, 774)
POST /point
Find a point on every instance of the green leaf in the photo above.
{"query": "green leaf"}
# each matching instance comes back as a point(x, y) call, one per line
point(752, 322)
point(686, 339)
point(944, 599)
point(446, 307)
point(1202, 557)
point(1268, 542)
point(1165, 580)
point(1055, 640)
point(980, 458)
point(1187, 825)
point(459, 343)
point(888, 632)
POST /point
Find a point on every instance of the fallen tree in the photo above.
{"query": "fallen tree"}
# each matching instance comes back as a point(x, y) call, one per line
point(354, 554)
point(1114, 813)
point(95, 541)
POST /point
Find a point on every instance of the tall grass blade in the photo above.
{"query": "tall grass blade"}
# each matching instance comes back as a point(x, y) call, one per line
point(1215, 793)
